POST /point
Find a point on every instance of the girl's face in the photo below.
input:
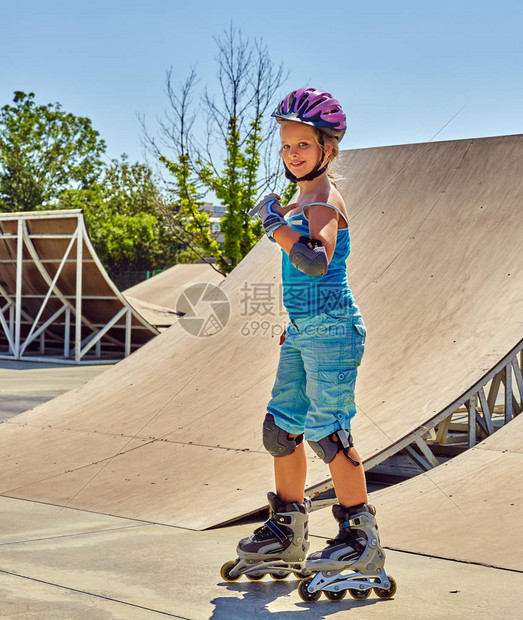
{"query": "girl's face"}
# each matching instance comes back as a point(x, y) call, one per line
point(300, 149)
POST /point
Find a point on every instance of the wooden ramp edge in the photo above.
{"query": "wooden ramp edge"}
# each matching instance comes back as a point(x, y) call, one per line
point(157, 298)
point(165, 288)
point(436, 268)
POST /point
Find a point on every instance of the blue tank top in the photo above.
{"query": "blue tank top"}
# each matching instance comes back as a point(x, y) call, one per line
point(305, 295)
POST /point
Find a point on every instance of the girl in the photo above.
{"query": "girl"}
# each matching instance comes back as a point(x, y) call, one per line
point(313, 395)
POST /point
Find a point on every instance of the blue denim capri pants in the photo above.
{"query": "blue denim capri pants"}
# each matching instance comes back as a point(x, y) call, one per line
point(314, 388)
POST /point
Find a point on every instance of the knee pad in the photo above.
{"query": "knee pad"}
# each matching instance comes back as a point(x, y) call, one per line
point(327, 448)
point(276, 440)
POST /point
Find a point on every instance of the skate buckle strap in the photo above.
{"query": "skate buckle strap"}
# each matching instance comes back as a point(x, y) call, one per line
point(355, 522)
point(358, 521)
point(273, 527)
point(345, 537)
point(347, 443)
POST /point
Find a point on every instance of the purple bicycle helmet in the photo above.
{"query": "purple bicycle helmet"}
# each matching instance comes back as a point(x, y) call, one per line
point(313, 107)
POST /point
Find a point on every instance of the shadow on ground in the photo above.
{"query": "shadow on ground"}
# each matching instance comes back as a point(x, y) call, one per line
point(256, 600)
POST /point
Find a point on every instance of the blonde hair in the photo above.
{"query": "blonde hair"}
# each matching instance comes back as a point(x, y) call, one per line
point(335, 149)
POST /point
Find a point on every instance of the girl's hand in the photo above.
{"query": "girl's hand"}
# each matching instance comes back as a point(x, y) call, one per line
point(271, 214)
point(287, 209)
point(264, 201)
point(276, 206)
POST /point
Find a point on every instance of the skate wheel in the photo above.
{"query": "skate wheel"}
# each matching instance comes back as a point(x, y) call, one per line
point(335, 596)
point(359, 595)
point(281, 577)
point(305, 595)
point(387, 593)
point(302, 574)
point(254, 577)
point(226, 569)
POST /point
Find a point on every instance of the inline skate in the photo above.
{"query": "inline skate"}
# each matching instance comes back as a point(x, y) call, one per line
point(356, 548)
point(278, 548)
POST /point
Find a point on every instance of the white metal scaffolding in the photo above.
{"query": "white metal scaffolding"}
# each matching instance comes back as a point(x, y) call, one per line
point(57, 302)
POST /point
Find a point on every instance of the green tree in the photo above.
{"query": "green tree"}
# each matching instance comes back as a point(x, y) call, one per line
point(43, 151)
point(121, 211)
point(235, 159)
point(50, 159)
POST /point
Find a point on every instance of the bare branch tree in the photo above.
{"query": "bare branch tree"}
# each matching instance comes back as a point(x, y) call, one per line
point(224, 144)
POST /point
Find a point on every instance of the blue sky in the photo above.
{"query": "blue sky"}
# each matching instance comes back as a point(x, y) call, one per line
point(401, 69)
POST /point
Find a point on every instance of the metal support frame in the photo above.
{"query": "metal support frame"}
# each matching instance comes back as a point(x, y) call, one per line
point(482, 418)
point(35, 336)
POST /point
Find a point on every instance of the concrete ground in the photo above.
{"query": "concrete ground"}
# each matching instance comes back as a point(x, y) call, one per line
point(62, 563)
point(25, 385)
point(74, 565)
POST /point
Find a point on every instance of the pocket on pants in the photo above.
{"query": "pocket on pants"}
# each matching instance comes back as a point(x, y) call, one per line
point(336, 390)
point(359, 335)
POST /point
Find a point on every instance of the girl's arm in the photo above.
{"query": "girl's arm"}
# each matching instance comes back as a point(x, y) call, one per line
point(286, 237)
point(311, 255)
point(323, 226)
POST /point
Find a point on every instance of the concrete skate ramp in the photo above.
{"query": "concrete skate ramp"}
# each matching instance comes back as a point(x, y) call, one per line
point(469, 509)
point(41, 260)
point(172, 433)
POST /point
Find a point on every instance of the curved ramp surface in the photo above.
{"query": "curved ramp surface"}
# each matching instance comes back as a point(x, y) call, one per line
point(56, 300)
point(157, 298)
point(469, 509)
point(436, 269)
point(165, 288)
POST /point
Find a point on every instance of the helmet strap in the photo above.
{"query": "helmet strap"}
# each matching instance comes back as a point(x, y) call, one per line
point(316, 172)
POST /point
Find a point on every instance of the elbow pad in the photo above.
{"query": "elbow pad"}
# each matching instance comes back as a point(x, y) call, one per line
point(312, 261)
